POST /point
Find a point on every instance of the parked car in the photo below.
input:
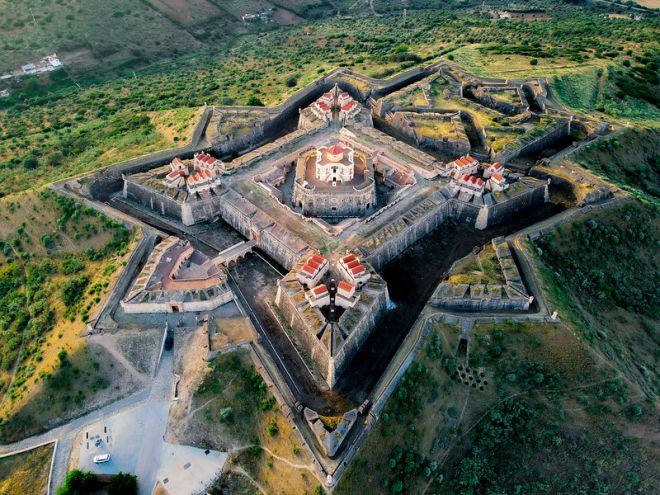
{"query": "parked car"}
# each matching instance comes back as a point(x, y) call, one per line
point(98, 459)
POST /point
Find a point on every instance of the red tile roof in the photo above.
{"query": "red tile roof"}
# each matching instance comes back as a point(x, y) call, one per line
point(308, 269)
point(336, 149)
point(352, 264)
point(357, 269)
point(348, 258)
point(323, 106)
point(320, 289)
point(348, 107)
point(319, 259)
point(497, 177)
point(345, 286)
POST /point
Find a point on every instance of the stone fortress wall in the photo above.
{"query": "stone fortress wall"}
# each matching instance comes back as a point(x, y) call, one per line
point(392, 239)
point(404, 121)
point(510, 296)
point(331, 346)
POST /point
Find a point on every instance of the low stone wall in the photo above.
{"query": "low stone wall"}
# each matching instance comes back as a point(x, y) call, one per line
point(186, 306)
point(371, 312)
point(559, 129)
point(305, 334)
point(536, 195)
point(483, 95)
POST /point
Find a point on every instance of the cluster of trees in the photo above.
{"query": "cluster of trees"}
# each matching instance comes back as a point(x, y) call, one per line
point(510, 448)
point(610, 259)
point(408, 401)
point(629, 159)
point(405, 465)
point(79, 482)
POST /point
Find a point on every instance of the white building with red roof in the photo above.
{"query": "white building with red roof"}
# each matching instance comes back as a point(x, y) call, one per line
point(335, 163)
point(346, 296)
point(313, 270)
point(496, 167)
point(354, 271)
point(343, 98)
point(318, 296)
point(197, 176)
point(176, 178)
point(465, 165)
point(471, 185)
point(497, 182)
point(203, 161)
point(349, 110)
point(322, 109)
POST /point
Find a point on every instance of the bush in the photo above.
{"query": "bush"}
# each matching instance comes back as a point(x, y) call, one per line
point(253, 101)
point(272, 428)
point(122, 484)
point(74, 289)
point(79, 483)
point(533, 62)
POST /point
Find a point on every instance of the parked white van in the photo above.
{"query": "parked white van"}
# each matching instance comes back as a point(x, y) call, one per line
point(98, 459)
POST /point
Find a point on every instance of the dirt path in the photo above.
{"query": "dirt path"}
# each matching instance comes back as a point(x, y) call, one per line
point(242, 472)
point(109, 343)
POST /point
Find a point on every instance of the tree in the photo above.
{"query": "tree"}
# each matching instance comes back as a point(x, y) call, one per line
point(122, 484)
point(253, 101)
point(79, 482)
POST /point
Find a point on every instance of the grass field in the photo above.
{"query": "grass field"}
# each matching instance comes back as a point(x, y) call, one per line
point(425, 437)
point(27, 472)
point(58, 262)
point(233, 410)
point(629, 159)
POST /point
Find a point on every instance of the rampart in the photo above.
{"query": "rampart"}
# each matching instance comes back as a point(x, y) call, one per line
point(533, 142)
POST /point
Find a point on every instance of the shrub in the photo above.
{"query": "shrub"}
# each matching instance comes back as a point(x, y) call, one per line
point(122, 484)
point(533, 62)
point(74, 289)
point(253, 101)
point(272, 428)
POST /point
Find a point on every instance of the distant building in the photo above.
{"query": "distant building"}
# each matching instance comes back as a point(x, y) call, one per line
point(465, 165)
point(312, 271)
point(471, 184)
point(354, 271)
point(197, 176)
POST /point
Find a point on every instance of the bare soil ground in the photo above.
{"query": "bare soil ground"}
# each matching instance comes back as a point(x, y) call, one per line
point(186, 12)
point(276, 462)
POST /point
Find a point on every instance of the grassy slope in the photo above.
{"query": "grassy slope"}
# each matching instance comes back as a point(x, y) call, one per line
point(425, 439)
point(49, 244)
point(26, 472)
point(630, 159)
point(610, 266)
point(63, 129)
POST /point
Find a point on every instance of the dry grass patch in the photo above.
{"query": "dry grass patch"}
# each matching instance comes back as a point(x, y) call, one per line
point(27, 472)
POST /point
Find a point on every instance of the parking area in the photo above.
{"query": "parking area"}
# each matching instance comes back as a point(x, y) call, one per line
point(126, 437)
